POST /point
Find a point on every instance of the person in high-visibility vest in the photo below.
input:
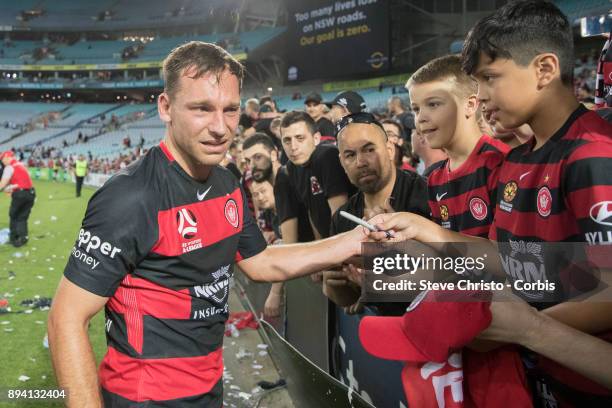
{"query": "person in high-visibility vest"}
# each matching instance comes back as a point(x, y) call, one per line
point(80, 171)
point(16, 181)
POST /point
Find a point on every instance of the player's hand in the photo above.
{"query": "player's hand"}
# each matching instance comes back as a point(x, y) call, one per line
point(273, 304)
point(353, 239)
point(404, 226)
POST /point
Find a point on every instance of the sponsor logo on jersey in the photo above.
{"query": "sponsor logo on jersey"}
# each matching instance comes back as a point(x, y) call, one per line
point(218, 289)
point(315, 187)
point(599, 237)
point(525, 263)
point(510, 190)
point(231, 213)
point(544, 201)
point(478, 208)
point(89, 246)
point(601, 213)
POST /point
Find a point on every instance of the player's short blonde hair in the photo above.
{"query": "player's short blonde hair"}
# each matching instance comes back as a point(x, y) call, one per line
point(442, 68)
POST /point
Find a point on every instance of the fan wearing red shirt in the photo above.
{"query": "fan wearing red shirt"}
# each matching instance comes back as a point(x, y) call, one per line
point(555, 188)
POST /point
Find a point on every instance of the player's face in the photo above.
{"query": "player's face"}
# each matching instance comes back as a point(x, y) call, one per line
point(263, 195)
point(202, 116)
point(298, 142)
point(437, 111)
point(315, 110)
point(366, 156)
point(507, 90)
point(259, 160)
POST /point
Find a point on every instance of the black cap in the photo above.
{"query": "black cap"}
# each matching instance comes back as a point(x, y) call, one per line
point(352, 101)
point(313, 97)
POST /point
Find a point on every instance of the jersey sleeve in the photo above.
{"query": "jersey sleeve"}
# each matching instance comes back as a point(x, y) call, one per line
point(587, 184)
point(118, 230)
point(251, 240)
point(333, 177)
point(285, 198)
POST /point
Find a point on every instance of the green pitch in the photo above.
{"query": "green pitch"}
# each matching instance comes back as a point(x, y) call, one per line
point(37, 267)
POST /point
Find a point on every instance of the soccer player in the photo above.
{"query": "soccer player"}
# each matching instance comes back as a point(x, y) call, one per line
point(157, 248)
point(461, 188)
point(557, 187)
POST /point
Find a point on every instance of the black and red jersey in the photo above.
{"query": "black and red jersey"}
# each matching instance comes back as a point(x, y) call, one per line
point(162, 247)
point(561, 192)
point(463, 199)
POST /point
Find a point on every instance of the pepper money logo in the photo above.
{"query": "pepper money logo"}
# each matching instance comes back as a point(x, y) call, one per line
point(187, 223)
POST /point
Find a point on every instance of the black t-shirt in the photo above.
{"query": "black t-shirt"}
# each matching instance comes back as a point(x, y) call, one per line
point(326, 127)
point(322, 177)
point(245, 121)
point(289, 206)
point(162, 247)
point(409, 195)
point(234, 169)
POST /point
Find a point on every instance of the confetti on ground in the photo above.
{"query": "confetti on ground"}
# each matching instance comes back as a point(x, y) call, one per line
point(23, 378)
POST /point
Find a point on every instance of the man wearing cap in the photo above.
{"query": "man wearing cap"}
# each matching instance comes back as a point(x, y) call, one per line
point(367, 156)
point(316, 109)
point(16, 180)
point(344, 104)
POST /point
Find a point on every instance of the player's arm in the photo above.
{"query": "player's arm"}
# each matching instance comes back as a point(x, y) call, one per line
point(284, 262)
point(71, 353)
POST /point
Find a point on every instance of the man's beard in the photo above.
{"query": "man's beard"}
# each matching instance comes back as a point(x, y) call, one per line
point(371, 186)
point(264, 174)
